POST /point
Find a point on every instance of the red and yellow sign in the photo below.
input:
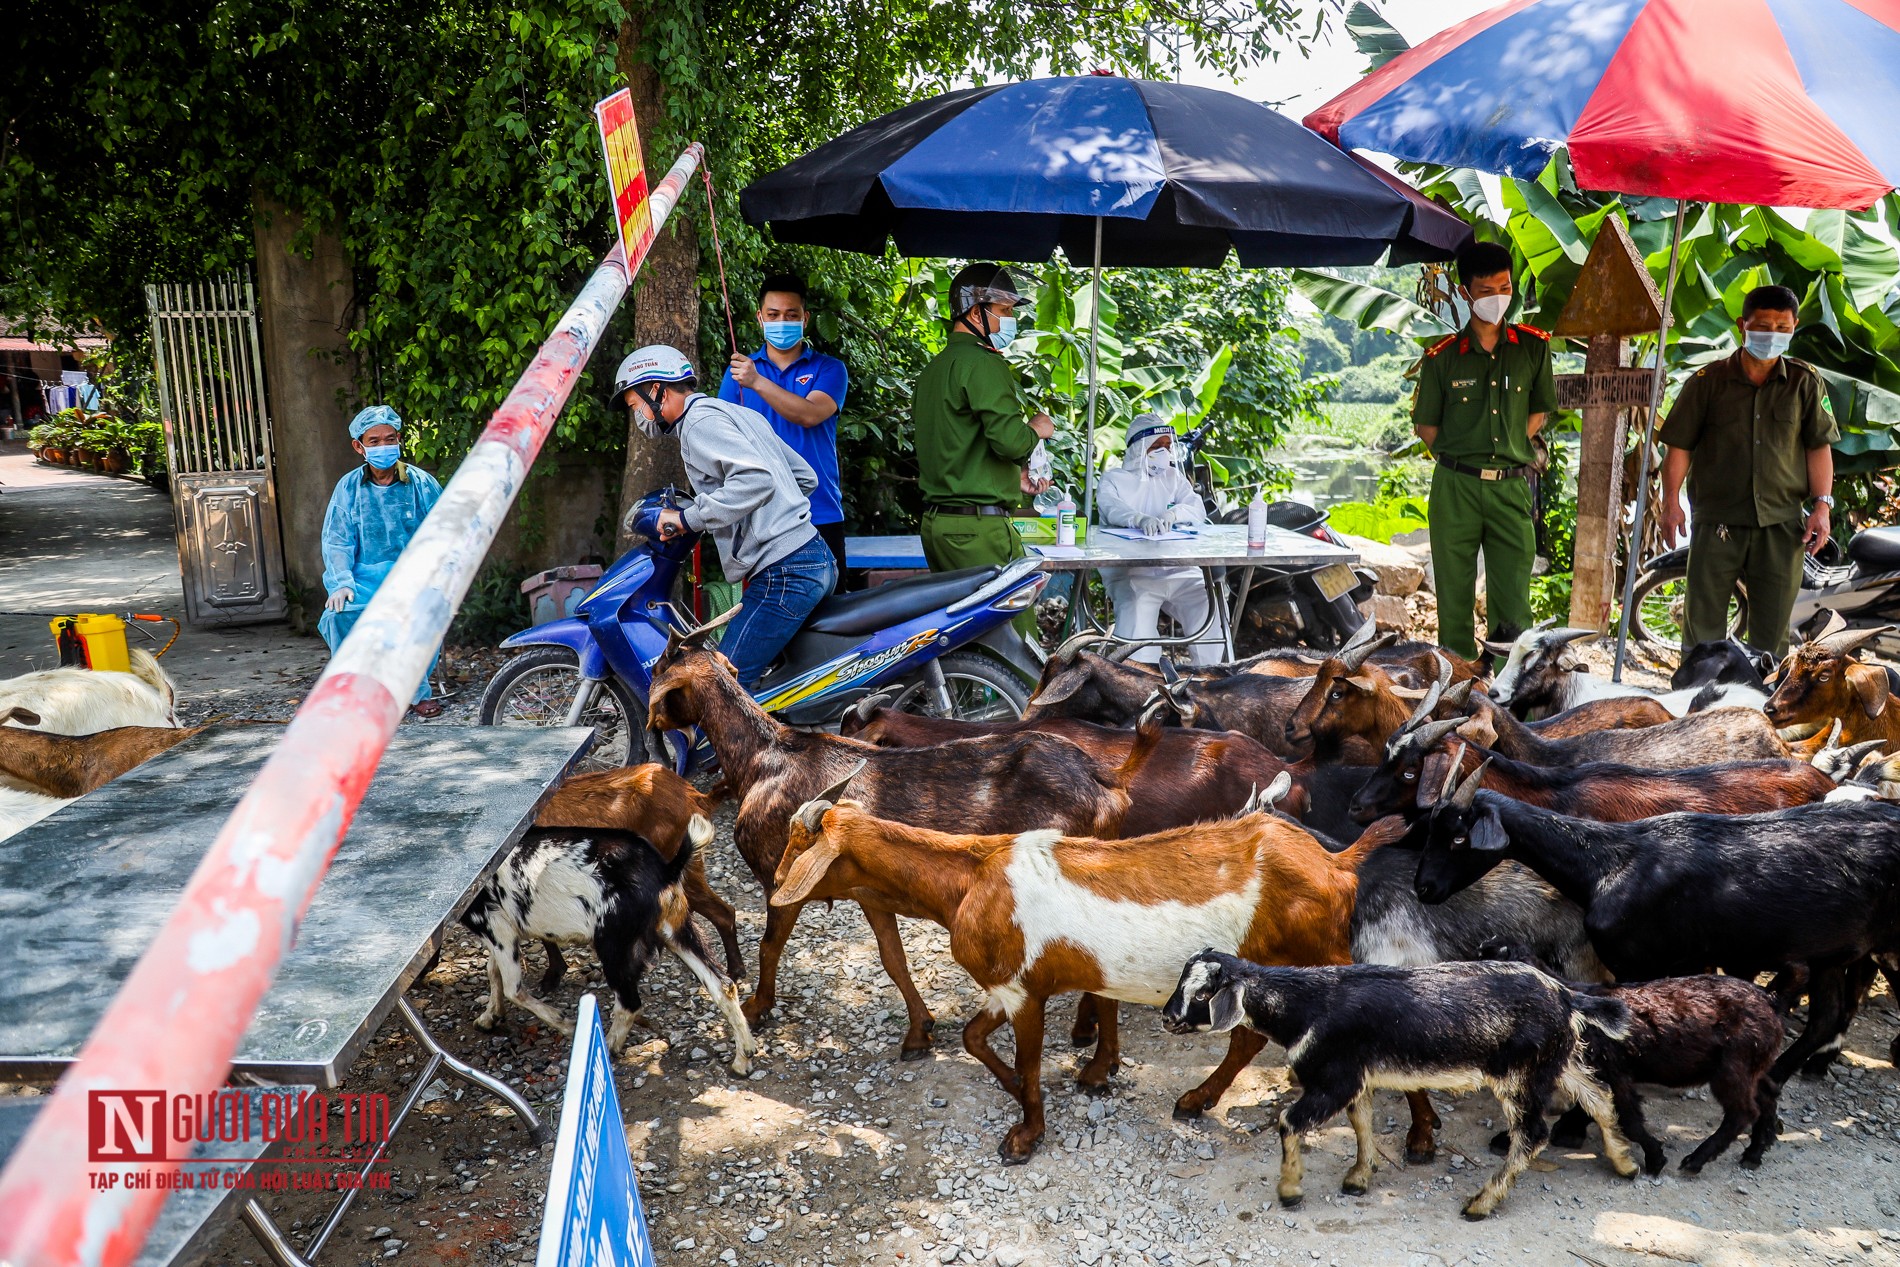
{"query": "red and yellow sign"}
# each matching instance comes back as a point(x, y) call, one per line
point(626, 174)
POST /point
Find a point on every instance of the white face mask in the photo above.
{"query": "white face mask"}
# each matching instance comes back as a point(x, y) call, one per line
point(1491, 308)
point(1158, 460)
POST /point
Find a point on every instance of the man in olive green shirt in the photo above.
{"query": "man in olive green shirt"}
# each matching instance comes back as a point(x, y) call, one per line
point(1754, 435)
point(973, 431)
point(1482, 394)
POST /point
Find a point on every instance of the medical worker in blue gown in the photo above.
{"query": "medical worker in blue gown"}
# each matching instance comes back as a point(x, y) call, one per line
point(373, 513)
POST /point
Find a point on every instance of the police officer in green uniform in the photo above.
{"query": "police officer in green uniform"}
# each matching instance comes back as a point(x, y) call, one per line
point(1754, 434)
point(973, 431)
point(1482, 394)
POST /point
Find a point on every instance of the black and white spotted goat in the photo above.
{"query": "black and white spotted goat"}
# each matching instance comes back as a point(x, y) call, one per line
point(584, 886)
point(1352, 1030)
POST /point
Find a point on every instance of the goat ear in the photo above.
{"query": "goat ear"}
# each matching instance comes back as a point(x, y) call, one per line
point(1487, 832)
point(1870, 684)
point(1569, 662)
point(1497, 648)
point(1225, 1011)
point(1479, 731)
point(1364, 685)
point(1169, 673)
point(25, 716)
point(1277, 790)
point(806, 872)
point(1065, 683)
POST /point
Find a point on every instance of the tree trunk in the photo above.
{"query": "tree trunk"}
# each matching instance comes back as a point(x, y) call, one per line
point(310, 373)
point(666, 291)
point(1599, 495)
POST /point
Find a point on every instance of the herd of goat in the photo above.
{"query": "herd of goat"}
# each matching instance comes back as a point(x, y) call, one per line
point(1374, 858)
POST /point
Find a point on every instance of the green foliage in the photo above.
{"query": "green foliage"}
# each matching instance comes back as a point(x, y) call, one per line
point(1369, 306)
point(1382, 425)
point(1382, 520)
point(1381, 381)
point(1550, 596)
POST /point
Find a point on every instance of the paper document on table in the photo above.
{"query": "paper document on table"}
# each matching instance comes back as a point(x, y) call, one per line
point(1135, 534)
point(1058, 552)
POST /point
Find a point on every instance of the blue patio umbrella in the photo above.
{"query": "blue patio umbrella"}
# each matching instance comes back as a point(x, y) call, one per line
point(1122, 172)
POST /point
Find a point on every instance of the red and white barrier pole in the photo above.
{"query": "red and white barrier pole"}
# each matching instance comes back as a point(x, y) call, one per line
point(177, 1020)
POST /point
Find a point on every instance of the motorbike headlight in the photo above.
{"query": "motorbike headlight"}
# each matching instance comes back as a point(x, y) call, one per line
point(1016, 600)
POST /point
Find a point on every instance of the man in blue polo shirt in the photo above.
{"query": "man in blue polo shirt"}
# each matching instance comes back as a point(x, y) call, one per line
point(800, 391)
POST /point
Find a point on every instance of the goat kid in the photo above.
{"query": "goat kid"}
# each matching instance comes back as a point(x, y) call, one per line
point(1817, 887)
point(608, 889)
point(1544, 674)
point(85, 701)
point(989, 783)
point(657, 805)
point(1459, 1026)
point(1038, 914)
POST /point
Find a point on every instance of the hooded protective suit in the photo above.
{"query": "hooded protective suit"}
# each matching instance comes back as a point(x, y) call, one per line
point(1150, 493)
point(365, 528)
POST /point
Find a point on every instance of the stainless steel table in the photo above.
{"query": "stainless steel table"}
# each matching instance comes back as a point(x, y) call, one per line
point(83, 892)
point(1209, 547)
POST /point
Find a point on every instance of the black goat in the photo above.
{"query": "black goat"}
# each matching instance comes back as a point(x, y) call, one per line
point(1723, 662)
point(1456, 1026)
point(608, 889)
point(1816, 887)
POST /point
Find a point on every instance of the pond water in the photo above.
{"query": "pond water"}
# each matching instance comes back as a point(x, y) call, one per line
point(1328, 470)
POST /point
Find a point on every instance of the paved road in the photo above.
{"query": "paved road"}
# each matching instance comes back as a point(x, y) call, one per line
point(75, 542)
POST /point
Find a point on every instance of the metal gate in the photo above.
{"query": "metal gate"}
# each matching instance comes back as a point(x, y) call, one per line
point(217, 438)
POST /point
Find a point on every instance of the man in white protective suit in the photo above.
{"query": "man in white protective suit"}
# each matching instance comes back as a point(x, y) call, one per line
point(1151, 494)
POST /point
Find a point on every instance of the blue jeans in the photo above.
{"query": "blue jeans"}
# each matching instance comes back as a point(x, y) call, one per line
point(777, 600)
point(336, 626)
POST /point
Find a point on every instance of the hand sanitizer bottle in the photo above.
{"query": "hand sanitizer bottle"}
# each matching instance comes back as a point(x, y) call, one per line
point(1256, 523)
point(1065, 521)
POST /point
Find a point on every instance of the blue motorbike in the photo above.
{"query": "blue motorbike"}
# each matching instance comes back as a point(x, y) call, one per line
point(941, 644)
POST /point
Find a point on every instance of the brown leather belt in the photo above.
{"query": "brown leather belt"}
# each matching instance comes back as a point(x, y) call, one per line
point(970, 510)
point(1503, 473)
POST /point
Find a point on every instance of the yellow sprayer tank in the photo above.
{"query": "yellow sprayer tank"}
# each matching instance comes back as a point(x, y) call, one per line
point(92, 640)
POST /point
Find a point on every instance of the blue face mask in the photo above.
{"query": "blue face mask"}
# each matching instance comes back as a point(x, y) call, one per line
point(783, 335)
point(1766, 345)
point(1004, 334)
point(382, 456)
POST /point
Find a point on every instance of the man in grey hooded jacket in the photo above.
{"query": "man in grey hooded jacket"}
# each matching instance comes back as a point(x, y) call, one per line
point(751, 494)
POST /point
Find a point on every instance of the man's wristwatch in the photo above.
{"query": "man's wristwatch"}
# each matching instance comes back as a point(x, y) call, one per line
point(1824, 499)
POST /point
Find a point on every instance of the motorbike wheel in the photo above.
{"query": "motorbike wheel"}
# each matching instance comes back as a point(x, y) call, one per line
point(1658, 601)
point(537, 687)
point(980, 690)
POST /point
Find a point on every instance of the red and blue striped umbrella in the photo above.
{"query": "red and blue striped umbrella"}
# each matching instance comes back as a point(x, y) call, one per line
point(1792, 103)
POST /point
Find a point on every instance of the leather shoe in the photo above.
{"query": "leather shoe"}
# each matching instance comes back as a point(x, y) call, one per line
point(426, 709)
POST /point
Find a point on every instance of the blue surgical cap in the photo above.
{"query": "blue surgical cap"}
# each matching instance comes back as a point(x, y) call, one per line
point(374, 416)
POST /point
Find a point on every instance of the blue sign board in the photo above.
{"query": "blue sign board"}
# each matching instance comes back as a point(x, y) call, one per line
point(593, 1217)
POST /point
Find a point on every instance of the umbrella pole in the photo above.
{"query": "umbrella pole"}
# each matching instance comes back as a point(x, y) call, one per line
point(1649, 436)
point(1095, 336)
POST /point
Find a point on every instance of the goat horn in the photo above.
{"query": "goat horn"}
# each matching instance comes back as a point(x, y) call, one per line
point(1572, 635)
point(1433, 695)
point(1833, 743)
point(1120, 653)
point(1367, 630)
point(1847, 642)
point(1468, 790)
point(1457, 696)
point(836, 790)
point(1832, 623)
point(811, 815)
point(1252, 803)
point(1074, 643)
point(697, 637)
point(1351, 658)
point(1856, 754)
point(1451, 775)
point(871, 703)
point(1169, 673)
point(1543, 624)
point(1432, 731)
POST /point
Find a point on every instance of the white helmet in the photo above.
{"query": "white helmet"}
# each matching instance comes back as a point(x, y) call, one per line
point(655, 363)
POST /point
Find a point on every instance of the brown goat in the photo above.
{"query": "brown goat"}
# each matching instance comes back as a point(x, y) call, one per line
point(990, 783)
point(1709, 738)
point(1605, 792)
point(73, 765)
point(655, 804)
point(1821, 681)
point(1194, 775)
point(1037, 914)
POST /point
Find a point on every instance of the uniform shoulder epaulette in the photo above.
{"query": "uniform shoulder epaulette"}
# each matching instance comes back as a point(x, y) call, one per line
point(1441, 345)
point(1542, 334)
point(1802, 365)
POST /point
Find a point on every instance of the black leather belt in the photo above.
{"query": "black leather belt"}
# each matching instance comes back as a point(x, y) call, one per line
point(971, 510)
point(1503, 473)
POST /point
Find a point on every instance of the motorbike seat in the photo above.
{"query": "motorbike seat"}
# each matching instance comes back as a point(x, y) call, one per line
point(881, 606)
point(1876, 549)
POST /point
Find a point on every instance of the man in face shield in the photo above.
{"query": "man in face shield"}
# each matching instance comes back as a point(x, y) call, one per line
point(1151, 494)
point(974, 433)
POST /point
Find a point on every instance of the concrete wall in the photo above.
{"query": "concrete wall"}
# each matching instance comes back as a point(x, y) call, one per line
point(560, 516)
point(309, 371)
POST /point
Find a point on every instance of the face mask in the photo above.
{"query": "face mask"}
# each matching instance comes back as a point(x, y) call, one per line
point(382, 456)
point(649, 424)
point(1157, 460)
point(1491, 308)
point(783, 335)
point(1004, 334)
point(1766, 345)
